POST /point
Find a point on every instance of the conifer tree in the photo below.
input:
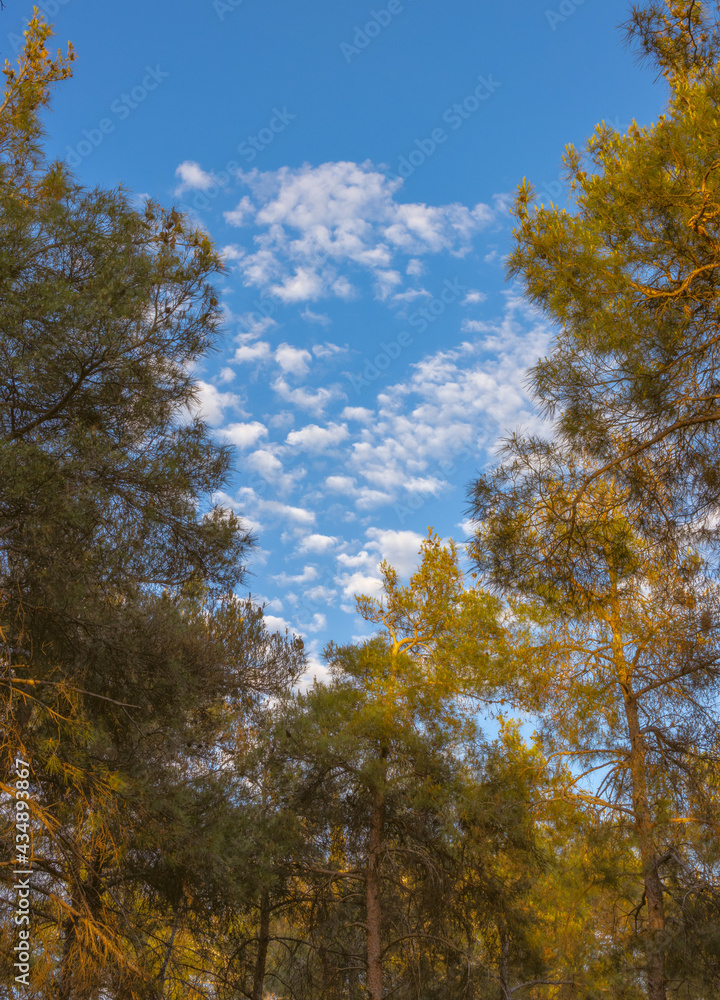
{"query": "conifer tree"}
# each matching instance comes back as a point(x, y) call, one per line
point(124, 651)
point(629, 277)
point(618, 650)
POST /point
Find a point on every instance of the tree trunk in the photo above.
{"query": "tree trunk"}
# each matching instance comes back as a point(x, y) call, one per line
point(67, 985)
point(166, 961)
point(655, 945)
point(373, 908)
point(263, 942)
point(504, 966)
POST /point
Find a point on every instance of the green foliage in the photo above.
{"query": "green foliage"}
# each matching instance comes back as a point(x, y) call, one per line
point(629, 278)
point(204, 828)
point(127, 662)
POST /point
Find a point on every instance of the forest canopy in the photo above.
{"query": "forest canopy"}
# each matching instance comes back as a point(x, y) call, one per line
point(511, 789)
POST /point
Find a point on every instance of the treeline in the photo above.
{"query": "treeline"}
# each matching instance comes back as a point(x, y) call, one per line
point(195, 825)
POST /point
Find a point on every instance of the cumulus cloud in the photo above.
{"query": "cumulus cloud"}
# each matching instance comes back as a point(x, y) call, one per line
point(309, 574)
point(456, 402)
point(399, 548)
point(247, 499)
point(315, 401)
point(300, 286)
point(245, 435)
point(192, 178)
point(211, 404)
point(317, 544)
point(293, 360)
point(267, 464)
point(367, 499)
point(317, 624)
point(273, 623)
point(247, 353)
point(315, 223)
point(315, 439)
point(340, 484)
point(320, 594)
point(312, 317)
point(241, 214)
point(386, 282)
point(361, 583)
point(360, 413)
point(475, 326)
point(473, 298)
point(252, 327)
point(327, 350)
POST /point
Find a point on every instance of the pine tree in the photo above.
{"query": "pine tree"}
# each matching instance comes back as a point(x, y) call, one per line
point(618, 649)
point(629, 277)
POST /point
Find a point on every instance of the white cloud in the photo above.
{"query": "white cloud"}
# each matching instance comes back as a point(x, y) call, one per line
point(411, 294)
point(317, 544)
point(399, 548)
point(226, 375)
point(192, 178)
point(320, 594)
point(233, 252)
point(360, 413)
point(340, 484)
point(275, 510)
point(386, 282)
point(475, 326)
point(473, 298)
point(309, 574)
point(361, 583)
point(317, 670)
point(306, 399)
point(245, 435)
point(275, 624)
point(211, 403)
point(301, 285)
point(282, 420)
point(361, 560)
point(424, 431)
point(316, 222)
point(312, 317)
point(327, 350)
point(294, 360)
point(247, 353)
point(298, 515)
point(268, 465)
point(315, 439)
point(241, 214)
point(366, 498)
point(254, 326)
point(318, 623)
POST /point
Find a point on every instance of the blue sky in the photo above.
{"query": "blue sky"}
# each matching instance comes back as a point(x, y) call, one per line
point(355, 163)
